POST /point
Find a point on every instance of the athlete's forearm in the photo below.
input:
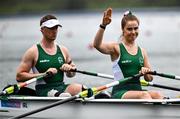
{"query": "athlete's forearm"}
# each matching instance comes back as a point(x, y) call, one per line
point(98, 38)
point(24, 76)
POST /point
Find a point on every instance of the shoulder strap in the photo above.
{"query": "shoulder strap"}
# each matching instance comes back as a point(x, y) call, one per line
point(140, 51)
point(122, 49)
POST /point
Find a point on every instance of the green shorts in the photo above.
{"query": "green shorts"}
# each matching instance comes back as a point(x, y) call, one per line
point(119, 94)
point(43, 89)
point(120, 90)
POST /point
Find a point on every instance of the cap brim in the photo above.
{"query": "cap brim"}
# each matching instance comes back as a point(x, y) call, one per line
point(50, 26)
point(51, 23)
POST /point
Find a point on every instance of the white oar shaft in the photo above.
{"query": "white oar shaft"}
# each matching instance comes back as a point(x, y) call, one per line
point(11, 89)
point(31, 81)
point(105, 76)
point(114, 83)
point(177, 77)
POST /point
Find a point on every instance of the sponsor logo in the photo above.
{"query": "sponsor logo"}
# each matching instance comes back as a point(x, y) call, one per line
point(45, 60)
point(13, 104)
point(126, 61)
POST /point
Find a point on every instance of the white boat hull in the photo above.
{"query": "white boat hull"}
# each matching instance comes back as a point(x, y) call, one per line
point(92, 109)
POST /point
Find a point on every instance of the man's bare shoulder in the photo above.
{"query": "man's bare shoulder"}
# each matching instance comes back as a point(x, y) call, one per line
point(63, 48)
point(31, 52)
point(32, 49)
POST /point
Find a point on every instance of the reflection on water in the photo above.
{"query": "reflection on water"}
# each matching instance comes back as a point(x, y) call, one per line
point(160, 37)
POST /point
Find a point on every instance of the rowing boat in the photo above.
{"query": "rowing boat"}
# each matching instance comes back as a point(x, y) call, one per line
point(91, 108)
point(76, 107)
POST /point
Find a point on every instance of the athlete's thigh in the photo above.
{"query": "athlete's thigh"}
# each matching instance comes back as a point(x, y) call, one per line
point(136, 95)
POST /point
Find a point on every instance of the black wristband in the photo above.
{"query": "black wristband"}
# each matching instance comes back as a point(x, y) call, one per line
point(102, 26)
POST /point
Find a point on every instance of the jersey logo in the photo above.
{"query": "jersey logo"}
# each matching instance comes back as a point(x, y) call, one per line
point(60, 59)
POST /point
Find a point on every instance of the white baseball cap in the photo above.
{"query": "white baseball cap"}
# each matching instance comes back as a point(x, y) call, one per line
point(51, 23)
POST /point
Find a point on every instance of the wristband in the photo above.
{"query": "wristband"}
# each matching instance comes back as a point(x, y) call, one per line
point(102, 26)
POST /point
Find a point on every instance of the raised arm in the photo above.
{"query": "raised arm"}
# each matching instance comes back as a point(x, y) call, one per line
point(105, 48)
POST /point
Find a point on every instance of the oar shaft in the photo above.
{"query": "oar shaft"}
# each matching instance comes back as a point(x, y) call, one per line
point(10, 89)
point(105, 76)
point(165, 75)
point(23, 84)
point(101, 88)
point(143, 83)
point(112, 77)
point(114, 83)
point(163, 86)
point(95, 74)
point(85, 72)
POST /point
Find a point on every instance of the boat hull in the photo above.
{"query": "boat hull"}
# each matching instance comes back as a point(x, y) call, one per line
point(93, 109)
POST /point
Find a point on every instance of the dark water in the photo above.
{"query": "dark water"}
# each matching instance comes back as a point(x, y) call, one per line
point(159, 34)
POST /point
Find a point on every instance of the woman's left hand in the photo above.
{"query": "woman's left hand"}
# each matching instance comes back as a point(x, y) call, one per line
point(145, 71)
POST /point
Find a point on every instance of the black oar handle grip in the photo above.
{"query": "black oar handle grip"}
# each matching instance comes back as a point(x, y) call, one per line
point(152, 73)
point(48, 75)
point(73, 70)
point(85, 72)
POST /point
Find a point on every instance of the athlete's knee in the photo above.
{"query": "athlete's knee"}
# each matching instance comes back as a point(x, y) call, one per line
point(156, 95)
point(74, 89)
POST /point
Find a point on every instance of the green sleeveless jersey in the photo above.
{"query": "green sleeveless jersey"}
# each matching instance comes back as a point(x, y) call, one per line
point(129, 65)
point(46, 61)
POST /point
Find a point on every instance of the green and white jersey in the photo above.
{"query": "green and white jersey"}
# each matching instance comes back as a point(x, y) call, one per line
point(46, 61)
point(128, 65)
